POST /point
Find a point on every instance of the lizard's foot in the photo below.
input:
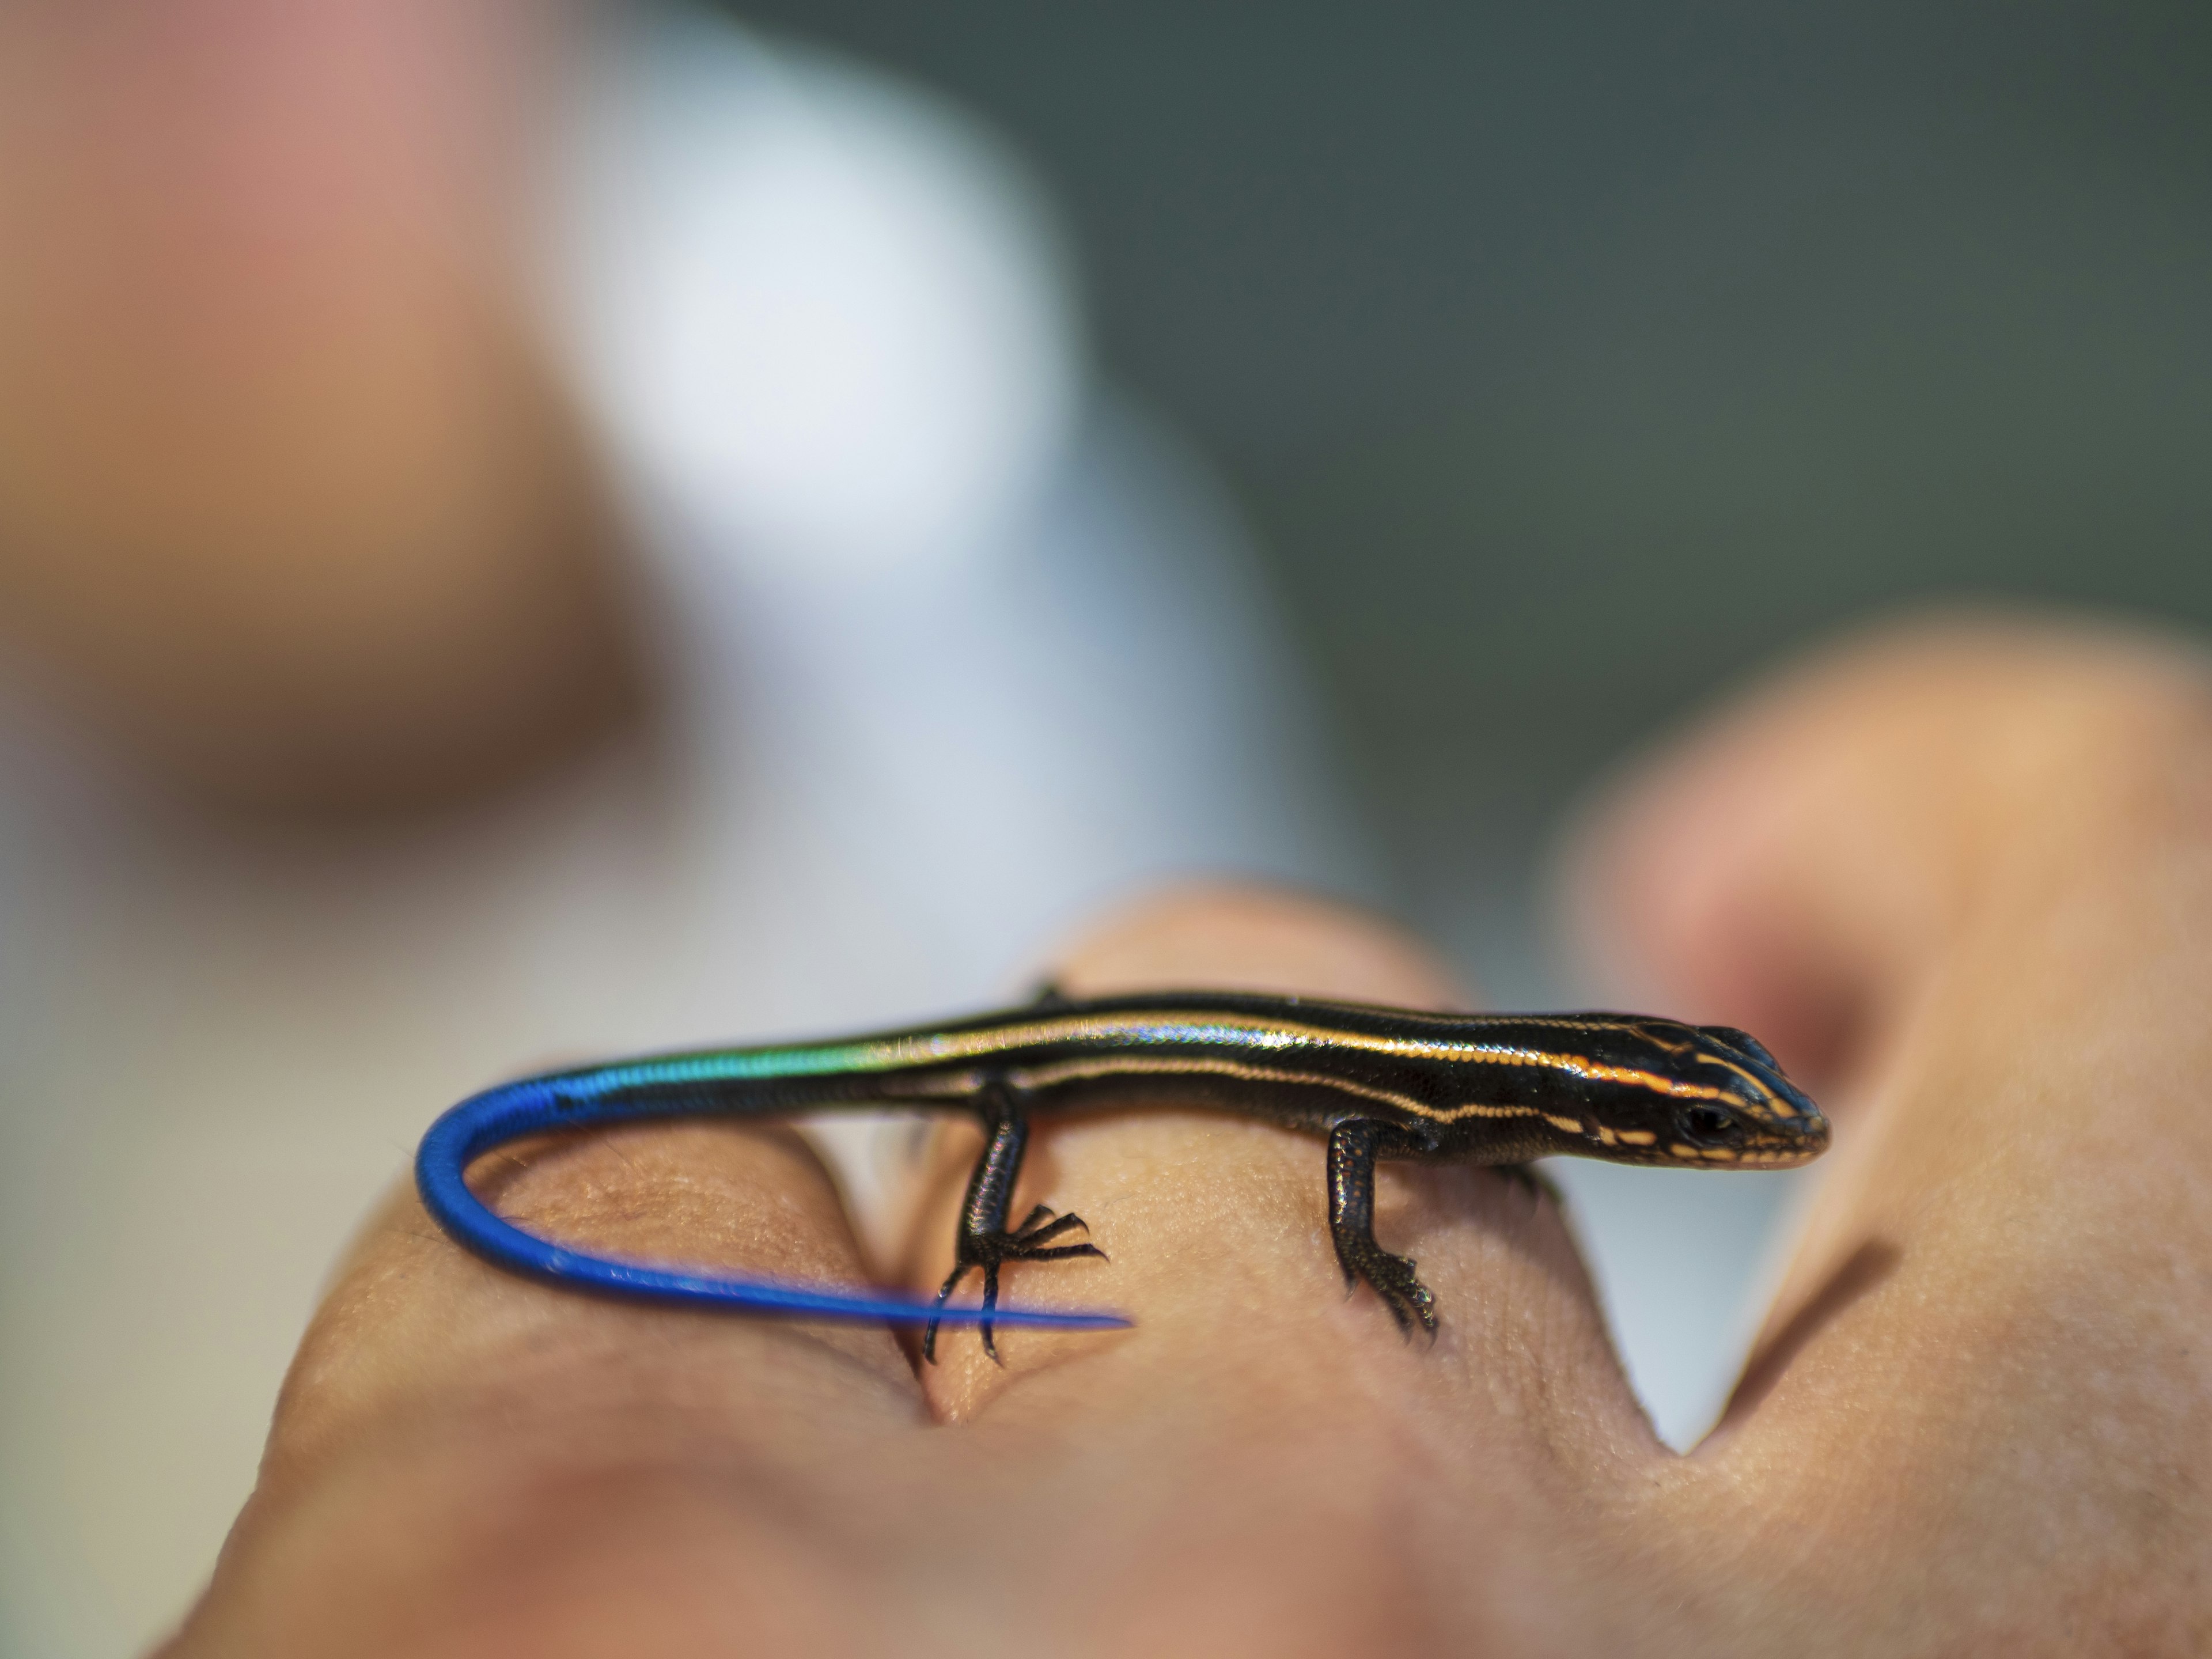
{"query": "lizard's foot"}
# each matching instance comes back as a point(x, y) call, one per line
point(1028, 1243)
point(1391, 1276)
point(1039, 1227)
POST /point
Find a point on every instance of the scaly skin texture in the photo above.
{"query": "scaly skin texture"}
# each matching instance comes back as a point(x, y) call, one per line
point(1389, 1082)
point(1962, 876)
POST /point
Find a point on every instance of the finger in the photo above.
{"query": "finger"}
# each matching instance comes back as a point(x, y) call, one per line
point(1253, 1400)
point(1968, 869)
point(1797, 865)
point(454, 1444)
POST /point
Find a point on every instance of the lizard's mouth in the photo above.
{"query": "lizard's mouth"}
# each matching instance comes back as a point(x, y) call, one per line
point(1805, 1142)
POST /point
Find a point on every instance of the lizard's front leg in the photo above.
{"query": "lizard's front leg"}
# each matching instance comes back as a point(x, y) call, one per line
point(1352, 1148)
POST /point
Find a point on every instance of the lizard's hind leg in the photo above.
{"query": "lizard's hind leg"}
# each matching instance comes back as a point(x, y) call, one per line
point(983, 1240)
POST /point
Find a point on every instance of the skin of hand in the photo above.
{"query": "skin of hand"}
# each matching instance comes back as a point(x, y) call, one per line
point(1962, 874)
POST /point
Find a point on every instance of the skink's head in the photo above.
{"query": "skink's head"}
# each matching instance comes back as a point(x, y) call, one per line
point(1699, 1096)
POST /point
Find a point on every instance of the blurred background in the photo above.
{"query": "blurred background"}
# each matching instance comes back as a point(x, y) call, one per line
point(1572, 361)
point(531, 529)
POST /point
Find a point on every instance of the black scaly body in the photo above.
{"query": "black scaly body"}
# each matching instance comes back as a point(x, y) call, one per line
point(1378, 1083)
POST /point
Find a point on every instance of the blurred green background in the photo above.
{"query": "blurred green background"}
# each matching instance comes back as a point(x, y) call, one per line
point(1571, 361)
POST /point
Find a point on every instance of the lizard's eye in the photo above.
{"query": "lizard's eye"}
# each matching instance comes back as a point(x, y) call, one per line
point(1707, 1124)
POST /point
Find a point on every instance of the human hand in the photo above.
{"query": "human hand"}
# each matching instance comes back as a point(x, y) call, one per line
point(1966, 877)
